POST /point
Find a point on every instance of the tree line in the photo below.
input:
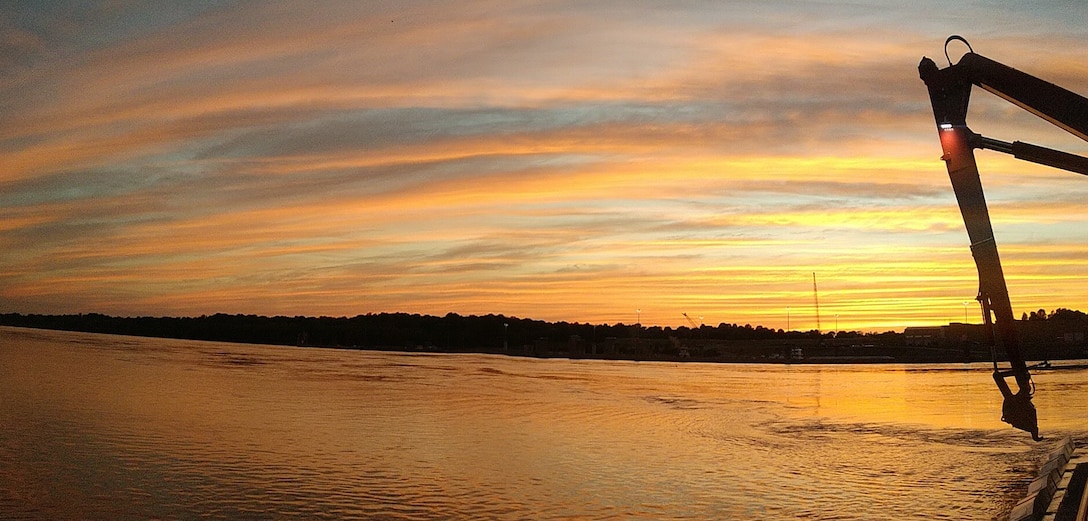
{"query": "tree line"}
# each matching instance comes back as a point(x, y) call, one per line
point(483, 333)
point(451, 332)
point(1057, 314)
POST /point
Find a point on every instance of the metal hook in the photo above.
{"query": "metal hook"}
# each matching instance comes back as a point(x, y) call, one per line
point(955, 37)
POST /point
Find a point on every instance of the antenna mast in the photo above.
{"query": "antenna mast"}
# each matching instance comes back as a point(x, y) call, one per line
point(816, 299)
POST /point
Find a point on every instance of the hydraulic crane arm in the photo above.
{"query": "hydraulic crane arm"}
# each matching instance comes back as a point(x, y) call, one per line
point(1059, 106)
point(950, 94)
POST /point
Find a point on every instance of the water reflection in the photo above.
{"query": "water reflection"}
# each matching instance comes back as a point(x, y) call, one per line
point(101, 427)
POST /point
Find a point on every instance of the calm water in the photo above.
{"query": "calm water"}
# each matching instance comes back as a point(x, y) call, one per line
point(109, 427)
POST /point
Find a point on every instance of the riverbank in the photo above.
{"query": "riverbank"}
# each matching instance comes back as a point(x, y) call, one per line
point(514, 336)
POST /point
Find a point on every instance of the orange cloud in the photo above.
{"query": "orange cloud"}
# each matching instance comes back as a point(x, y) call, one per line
point(492, 158)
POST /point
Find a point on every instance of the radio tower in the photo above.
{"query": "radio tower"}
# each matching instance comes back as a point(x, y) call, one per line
point(816, 299)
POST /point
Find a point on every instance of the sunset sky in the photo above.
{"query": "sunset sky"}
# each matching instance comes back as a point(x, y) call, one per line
point(557, 160)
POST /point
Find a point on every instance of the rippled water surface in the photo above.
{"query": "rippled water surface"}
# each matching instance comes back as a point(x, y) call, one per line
point(110, 427)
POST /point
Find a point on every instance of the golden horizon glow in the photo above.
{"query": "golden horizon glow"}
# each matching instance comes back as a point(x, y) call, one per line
point(554, 164)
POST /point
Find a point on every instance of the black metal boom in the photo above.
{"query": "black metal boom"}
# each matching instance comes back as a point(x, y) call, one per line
point(949, 95)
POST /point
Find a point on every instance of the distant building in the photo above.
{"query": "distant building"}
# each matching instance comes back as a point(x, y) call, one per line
point(924, 336)
point(609, 345)
point(576, 347)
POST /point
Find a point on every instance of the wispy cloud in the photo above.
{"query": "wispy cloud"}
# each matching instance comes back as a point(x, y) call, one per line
point(555, 160)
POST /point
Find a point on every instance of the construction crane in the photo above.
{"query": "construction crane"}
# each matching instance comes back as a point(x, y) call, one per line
point(690, 321)
point(949, 95)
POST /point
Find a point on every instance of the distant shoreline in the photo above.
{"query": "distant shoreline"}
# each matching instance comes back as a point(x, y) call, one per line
point(497, 334)
point(823, 360)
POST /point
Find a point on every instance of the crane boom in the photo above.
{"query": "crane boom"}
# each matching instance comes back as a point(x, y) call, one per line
point(690, 321)
point(949, 94)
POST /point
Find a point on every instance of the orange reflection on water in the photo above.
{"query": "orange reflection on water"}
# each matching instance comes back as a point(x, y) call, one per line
point(225, 429)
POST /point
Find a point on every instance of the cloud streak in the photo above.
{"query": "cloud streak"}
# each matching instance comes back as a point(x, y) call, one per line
point(551, 160)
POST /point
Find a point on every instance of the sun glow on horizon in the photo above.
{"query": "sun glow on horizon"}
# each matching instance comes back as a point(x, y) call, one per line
point(552, 164)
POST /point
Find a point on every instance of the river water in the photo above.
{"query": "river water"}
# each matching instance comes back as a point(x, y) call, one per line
point(111, 427)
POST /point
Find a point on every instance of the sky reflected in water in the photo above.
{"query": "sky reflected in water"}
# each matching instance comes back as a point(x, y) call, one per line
point(107, 427)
